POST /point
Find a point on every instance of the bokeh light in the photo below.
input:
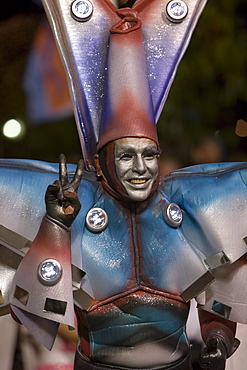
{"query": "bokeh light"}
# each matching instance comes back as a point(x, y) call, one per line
point(13, 129)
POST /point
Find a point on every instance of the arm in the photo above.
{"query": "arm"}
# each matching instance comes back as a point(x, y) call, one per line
point(219, 335)
point(41, 296)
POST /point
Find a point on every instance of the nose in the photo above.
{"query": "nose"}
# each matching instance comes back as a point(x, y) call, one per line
point(139, 165)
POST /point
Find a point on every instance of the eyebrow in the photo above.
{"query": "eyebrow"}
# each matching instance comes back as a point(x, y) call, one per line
point(132, 147)
point(152, 150)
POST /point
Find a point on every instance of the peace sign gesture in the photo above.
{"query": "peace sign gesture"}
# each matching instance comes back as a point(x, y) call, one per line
point(61, 198)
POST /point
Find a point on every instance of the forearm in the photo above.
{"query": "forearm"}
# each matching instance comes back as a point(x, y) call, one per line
point(51, 244)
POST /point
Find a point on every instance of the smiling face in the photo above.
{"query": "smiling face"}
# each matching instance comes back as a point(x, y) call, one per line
point(136, 164)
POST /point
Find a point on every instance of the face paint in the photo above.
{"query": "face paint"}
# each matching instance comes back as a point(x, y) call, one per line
point(136, 164)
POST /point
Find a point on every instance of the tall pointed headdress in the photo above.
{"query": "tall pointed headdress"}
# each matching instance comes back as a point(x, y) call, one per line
point(81, 28)
point(127, 104)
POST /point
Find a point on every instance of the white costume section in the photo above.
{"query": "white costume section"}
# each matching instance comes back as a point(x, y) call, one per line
point(238, 360)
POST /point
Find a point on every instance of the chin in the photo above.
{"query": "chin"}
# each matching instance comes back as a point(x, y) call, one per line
point(138, 196)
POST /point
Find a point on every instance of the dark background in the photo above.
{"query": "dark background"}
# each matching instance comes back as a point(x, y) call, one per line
point(207, 98)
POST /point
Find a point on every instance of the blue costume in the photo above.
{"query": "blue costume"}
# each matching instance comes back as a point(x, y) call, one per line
point(135, 279)
point(136, 263)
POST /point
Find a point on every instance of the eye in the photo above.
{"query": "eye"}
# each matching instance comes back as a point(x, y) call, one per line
point(151, 155)
point(125, 156)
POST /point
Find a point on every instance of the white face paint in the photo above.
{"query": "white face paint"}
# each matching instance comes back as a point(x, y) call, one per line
point(136, 163)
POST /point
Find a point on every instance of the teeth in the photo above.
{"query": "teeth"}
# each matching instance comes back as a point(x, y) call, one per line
point(138, 181)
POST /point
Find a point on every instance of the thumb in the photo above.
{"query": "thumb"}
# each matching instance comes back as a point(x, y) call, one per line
point(212, 344)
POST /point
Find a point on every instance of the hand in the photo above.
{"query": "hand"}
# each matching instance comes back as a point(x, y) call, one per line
point(61, 198)
point(213, 356)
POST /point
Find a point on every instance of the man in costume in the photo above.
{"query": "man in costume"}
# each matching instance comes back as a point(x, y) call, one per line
point(142, 246)
point(136, 320)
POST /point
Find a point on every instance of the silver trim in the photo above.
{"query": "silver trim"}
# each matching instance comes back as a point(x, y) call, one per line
point(171, 16)
point(56, 279)
point(79, 16)
point(100, 227)
point(168, 218)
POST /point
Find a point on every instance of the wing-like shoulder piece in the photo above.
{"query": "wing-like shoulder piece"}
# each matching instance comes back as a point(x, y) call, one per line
point(213, 199)
point(214, 196)
point(226, 296)
point(23, 185)
point(30, 244)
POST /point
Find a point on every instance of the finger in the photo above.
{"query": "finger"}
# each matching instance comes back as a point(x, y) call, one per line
point(72, 197)
point(60, 193)
point(63, 176)
point(51, 192)
point(75, 183)
point(71, 202)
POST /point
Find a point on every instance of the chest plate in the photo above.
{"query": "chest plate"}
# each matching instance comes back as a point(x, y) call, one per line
point(137, 249)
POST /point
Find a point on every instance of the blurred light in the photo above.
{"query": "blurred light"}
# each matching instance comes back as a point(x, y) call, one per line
point(13, 129)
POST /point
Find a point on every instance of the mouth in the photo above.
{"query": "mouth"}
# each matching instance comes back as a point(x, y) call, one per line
point(137, 181)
